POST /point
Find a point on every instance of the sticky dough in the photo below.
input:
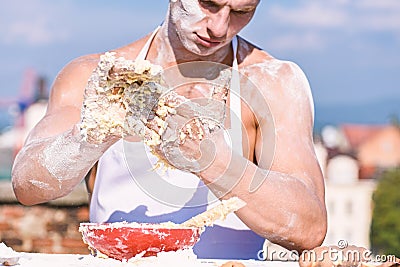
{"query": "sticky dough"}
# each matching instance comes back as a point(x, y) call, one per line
point(125, 97)
point(119, 93)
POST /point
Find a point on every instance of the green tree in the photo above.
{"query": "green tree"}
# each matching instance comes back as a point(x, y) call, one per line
point(385, 226)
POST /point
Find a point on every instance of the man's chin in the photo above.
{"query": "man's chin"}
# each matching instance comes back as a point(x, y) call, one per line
point(203, 51)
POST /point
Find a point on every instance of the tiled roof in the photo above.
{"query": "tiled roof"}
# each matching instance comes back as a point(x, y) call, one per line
point(356, 134)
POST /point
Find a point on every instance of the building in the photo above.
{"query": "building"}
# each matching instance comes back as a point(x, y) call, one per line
point(349, 202)
point(376, 147)
point(351, 157)
point(382, 150)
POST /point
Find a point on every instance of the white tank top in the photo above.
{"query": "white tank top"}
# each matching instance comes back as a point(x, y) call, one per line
point(127, 189)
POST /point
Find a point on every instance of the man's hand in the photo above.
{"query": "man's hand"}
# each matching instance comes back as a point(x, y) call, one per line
point(190, 141)
point(117, 91)
point(125, 98)
point(183, 132)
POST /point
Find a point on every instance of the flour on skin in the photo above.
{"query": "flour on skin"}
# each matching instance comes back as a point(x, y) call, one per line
point(185, 16)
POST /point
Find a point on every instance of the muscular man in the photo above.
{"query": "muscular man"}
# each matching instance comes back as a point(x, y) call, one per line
point(272, 167)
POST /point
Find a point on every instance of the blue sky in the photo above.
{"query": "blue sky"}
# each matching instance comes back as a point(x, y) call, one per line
point(349, 50)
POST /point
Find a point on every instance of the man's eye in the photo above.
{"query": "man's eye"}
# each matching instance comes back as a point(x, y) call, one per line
point(242, 11)
point(208, 4)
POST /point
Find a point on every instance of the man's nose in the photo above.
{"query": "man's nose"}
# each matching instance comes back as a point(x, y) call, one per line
point(218, 23)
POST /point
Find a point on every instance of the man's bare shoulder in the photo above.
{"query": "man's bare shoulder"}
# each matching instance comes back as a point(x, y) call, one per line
point(271, 73)
point(71, 81)
point(81, 66)
point(263, 65)
point(281, 82)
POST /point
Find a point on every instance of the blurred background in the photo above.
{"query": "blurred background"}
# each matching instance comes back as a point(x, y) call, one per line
point(349, 50)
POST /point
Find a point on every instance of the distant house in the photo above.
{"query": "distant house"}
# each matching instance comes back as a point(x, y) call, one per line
point(348, 202)
point(382, 149)
point(350, 155)
point(356, 134)
point(376, 147)
point(349, 208)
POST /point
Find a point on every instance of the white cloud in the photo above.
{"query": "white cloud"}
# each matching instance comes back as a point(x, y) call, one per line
point(32, 32)
point(310, 14)
point(365, 15)
point(388, 23)
point(44, 22)
point(381, 16)
point(379, 4)
point(300, 41)
point(37, 23)
point(321, 25)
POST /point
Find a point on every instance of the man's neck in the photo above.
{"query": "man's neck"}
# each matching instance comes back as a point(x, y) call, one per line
point(173, 51)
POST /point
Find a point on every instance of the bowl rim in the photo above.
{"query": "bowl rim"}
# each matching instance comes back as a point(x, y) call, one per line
point(135, 225)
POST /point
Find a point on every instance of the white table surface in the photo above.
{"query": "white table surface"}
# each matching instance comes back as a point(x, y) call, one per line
point(74, 260)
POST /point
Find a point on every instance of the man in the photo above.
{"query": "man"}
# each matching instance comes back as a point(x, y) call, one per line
point(275, 171)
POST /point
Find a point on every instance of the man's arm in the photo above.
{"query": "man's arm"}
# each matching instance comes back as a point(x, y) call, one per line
point(54, 158)
point(285, 190)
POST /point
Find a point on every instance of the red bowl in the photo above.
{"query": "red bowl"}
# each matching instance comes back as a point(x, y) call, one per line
point(123, 240)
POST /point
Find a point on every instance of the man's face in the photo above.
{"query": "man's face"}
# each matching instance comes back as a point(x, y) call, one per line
point(204, 26)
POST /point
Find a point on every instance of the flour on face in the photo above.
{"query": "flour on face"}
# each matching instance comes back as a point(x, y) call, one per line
point(186, 15)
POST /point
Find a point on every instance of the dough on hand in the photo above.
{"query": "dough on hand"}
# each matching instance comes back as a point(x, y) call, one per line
point(118, 91)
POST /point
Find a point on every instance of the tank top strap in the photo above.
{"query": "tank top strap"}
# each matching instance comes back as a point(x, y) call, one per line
point(235, 103)
point(145, 49)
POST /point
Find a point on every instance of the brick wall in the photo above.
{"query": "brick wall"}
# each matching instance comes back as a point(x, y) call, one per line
point(47, 228)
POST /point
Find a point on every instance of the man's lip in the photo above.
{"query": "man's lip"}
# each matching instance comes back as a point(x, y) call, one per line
point(207, 42)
